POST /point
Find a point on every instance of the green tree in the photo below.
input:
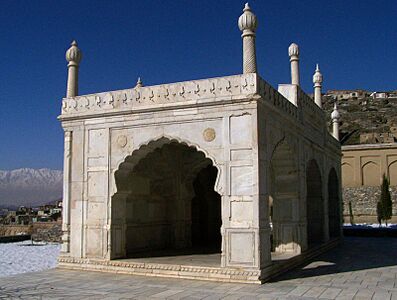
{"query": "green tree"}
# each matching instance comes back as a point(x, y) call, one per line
point(379, 212)
point(384, 205)
point(351, 213)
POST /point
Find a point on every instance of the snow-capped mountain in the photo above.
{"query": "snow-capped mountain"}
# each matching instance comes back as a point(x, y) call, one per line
point(30, 186)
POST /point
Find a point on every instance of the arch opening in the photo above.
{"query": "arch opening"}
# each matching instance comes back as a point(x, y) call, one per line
point(284, 200)
point(170, 205)
point(314, 204)
point(334, 213)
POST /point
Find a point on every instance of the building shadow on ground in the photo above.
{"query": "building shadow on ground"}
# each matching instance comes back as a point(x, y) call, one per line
point(353, 254)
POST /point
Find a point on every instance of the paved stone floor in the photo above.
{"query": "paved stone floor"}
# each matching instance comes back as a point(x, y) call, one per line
point(361, 268)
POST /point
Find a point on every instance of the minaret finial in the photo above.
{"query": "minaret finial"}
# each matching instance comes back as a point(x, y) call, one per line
point(139, 83)
point(293, 52)
point(247, 23)
point(73, 56)
point(317, 80)
point(335, 116)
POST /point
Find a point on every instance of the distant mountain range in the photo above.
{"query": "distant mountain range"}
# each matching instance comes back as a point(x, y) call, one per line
point(30, 187)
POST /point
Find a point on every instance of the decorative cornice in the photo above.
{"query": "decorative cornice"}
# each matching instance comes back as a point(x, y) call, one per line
point(369, 147)
point(174, 94)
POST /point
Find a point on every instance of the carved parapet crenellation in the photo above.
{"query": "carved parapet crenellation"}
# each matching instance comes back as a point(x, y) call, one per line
point(189, 93)
point(332, 142)
point(272, 96)
point(311, 111)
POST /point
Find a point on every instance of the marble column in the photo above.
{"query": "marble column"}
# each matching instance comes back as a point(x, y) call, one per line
point(66, 193)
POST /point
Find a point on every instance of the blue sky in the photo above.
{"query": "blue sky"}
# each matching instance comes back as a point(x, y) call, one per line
point(355, 43)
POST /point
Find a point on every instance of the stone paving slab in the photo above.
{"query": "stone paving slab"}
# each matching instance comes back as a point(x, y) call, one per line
point(357, 269)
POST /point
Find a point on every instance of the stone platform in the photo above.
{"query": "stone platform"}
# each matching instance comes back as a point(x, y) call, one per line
point(195, 266)
point(354, 270)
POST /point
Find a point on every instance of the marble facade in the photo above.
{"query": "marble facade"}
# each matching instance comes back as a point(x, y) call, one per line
point(228, 164)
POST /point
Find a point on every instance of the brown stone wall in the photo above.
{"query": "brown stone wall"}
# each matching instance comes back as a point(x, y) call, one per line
point(47, 231)
point(40, 231)
point(10, 230)
point(362, 170)
point(364, 199)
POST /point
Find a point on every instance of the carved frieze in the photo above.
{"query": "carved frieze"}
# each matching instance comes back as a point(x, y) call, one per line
point(151, 96)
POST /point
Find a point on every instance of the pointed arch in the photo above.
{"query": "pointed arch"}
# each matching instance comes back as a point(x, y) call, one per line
point(370, 174)
point(334, 211)
point(165, 191)
point(392, 171)
point(143, 149)
point(284, 200)
point(314, 204)
point(347, 174)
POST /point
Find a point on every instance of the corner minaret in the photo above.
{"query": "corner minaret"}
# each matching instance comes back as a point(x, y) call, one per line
point(335, 116)
point(293, 52)
point(73, 56)
point(247, 23)
point(317, 80)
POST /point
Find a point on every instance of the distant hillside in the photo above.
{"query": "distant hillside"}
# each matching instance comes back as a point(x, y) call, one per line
point(364, 115)
point(30, 187)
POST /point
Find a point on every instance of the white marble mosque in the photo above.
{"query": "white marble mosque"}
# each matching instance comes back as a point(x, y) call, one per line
point(223, 179)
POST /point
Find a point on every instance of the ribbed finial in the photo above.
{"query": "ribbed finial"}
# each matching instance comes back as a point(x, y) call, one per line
point(293, 50)
point(335, 113)
point(139, 83)
point(247, 21)
point(73, 54)
point(317, 77)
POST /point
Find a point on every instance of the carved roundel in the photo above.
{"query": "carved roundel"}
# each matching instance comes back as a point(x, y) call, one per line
point(209, 134)
point(122, 141)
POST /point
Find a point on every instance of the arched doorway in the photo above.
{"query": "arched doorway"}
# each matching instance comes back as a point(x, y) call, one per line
point(284, 200)
point(314, 204)
point(333, 204)
point(170, 202)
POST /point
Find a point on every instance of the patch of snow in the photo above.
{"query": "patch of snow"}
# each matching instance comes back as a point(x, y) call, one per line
point(22, 257)
point(370, 225)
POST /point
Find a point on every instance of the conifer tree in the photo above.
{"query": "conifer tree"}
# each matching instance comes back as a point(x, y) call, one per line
point(379, 212)
point(351, 213)
point(385, 200)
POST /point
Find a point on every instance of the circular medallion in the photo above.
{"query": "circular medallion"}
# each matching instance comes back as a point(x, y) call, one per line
point(122, 141)
point(209, 134)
